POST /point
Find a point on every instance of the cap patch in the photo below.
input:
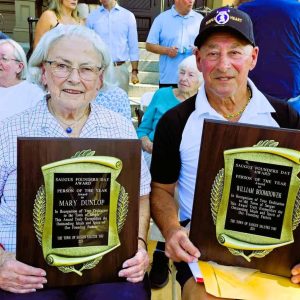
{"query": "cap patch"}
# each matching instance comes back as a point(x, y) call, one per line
point(222, 17)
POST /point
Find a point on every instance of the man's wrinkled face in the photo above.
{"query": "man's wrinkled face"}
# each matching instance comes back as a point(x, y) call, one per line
point(225, 61)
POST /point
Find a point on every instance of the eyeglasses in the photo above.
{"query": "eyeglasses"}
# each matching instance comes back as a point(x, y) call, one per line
point(63, 70)
point(5, 59)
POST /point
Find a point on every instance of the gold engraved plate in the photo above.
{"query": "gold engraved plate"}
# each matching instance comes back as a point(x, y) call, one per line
point(80, 211)
point(255, 199)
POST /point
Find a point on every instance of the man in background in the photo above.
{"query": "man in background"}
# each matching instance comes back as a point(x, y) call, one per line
point(276, 26)
point(117, 28)
point(172, 35)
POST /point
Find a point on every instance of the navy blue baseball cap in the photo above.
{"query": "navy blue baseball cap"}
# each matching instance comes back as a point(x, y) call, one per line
point(226, 19)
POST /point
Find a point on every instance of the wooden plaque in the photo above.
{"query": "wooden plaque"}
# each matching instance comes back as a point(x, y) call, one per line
point(258, 190)
point(33, 154)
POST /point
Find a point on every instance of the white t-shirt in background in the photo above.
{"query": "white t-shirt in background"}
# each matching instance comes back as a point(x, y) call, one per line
point(18, 97)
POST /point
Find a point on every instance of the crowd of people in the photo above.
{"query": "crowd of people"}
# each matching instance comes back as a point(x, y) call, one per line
point(75, 85)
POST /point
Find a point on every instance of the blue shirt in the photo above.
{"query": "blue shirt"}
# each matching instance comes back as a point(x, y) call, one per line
point(118, 30)
point(115, 99)
point(163, 100)
point(277, 34)
point(171, 29)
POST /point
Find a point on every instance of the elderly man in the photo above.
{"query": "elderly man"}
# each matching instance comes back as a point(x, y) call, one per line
point(225, 55)
point(117, 28)
point(172, 35)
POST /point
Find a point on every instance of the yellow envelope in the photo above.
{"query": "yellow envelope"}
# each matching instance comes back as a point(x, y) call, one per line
point(246, 284)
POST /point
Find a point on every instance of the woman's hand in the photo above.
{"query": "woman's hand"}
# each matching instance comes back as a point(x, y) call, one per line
point(17, 277)
point(147, 145)
point(135, 268)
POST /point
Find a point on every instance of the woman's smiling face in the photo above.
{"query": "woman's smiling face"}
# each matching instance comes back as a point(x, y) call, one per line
point(72, 92)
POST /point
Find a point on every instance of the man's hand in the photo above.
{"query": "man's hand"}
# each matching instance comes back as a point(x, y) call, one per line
point(17, 277)
point(172, 51)
point(134, 77)
point(179, 247)
point(295, 274)
point(135, 268)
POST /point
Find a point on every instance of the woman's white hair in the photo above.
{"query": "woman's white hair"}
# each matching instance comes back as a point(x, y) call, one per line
point(190, 62)
point(19, 55)
point(40, 54)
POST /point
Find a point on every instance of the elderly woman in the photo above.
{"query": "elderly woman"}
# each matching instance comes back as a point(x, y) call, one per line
point(16, 94)
point(72, 76)
point(59, 12)
point(189, 80)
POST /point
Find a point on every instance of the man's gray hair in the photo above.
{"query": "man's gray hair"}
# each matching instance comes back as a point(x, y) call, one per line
point(19, 55)
point(40, 54)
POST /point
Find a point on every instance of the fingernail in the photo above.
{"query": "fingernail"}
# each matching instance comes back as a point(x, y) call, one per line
point(120, 274)
point(43, 273)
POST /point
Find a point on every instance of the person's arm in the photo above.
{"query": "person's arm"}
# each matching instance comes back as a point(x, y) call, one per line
point(146, 126)
point(133, 46)
point(165, 171)
point(134, 72)
point(134, 268)
point(44, 24)
point(162, 50)
point(16, 277)
point(147, 145)
point(154, 43)
point(164, 212)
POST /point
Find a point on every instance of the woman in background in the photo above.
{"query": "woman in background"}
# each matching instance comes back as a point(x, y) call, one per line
point(16, 93)
point(189, 80)
point(59, 12)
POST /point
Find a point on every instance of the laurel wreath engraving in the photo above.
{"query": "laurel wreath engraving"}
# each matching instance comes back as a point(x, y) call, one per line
point(39, 212)
point(266, 143)
point(122, 208)
point(84, 153)
point(216, 197)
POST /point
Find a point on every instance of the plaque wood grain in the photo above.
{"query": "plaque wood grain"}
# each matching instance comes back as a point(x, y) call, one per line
point(36, 152)
point(217, 137)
